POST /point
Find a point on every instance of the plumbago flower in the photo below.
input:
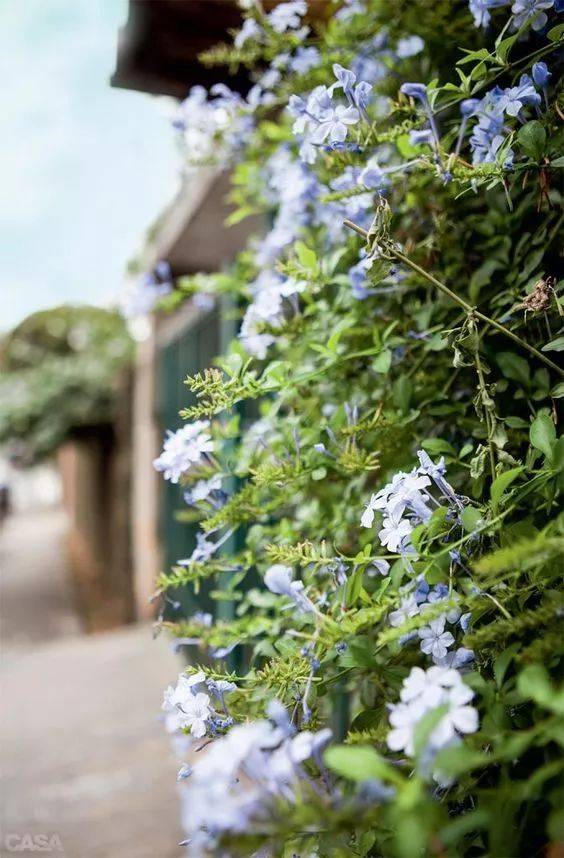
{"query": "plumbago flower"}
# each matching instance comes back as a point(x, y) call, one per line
point(355, 371)
point(406, 502)
point(206, 490)
point(189, 707)
point(318, 120)
point(422, 692)
point(141, 298)
point(287, 16)
point(184, 449)
point(524, 12)
point(278, 579)
point(242, 777)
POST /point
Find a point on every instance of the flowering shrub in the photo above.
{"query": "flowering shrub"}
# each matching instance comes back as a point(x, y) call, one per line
point(60, 370)
point(397, 497)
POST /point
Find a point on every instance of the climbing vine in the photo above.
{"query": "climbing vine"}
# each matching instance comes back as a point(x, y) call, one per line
point(386, 524)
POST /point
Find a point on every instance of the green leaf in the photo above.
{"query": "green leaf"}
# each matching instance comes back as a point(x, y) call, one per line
point(555, 33)
point(402, 391)
point(505, 46)
point(556, 345)
point(382, 362)
point(437, 447)
point(515, 367)
point(471, 518)
point(532, 139)
point(501, 484)
point(503, 661)
point(457, 761)
point(360, 763)
point(354, 585)
point(543, 433)
point(306, 256)
point(425, 727)
point(534, 683)
point(482, 276)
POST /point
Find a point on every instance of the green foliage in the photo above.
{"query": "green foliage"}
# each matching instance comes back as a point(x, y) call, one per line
point(450, 352)
point(59, 372)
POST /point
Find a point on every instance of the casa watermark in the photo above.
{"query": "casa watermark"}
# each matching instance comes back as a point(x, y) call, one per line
point(27, 842)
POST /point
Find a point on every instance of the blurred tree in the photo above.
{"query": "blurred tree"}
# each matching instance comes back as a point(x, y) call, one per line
point(59, 370)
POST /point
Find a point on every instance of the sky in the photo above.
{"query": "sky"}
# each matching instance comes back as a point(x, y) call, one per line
point(84, 169)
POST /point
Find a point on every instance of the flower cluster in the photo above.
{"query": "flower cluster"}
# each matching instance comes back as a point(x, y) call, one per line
point(188, 706)
point(242, 775)
point(369, 350)
point(184, 449)
point(422, 692)
point(493, 112)
point(141, 298)
point(406, 502)
point(278, 579)
point(524, 12)
point(317, 120)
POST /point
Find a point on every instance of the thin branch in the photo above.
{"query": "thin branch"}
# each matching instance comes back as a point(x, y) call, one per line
point(458, 300)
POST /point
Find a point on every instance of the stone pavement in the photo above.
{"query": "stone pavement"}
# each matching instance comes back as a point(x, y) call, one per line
point(83, 755)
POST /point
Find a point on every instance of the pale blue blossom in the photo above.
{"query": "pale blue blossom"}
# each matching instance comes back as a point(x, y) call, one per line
point(437, 473)
point(458, 659)
point(480, 10)
point(434, 640)
point(278, 579)
point(469, 106)
point(141, 297)
point(408, 608)
point(415, 90)
point(202, 490)
point(334, 126)
point(304, 60)
point(378, 566)
point(541, 75)
point(409, 46)
point(514, 98)
point(184, 449)
point(346, 80)
point(287, 16)
point(204, 550)
point(525, 11)
point(421, 136)
point(395, 532)
point(249, 30)
point(422, 692)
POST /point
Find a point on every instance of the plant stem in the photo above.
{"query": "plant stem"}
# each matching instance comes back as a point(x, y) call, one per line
point(487, 415)
point(460, 301)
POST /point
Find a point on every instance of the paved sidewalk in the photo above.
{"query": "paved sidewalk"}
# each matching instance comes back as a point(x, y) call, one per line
point(35, 593)
point(83, 754)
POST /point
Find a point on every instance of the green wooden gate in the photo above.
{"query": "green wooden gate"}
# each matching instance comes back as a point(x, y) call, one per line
point(190, 351)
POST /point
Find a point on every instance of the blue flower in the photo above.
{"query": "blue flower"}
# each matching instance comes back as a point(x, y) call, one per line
point(287, 16)
point(361, 95)
point(422, 591)
point(531, 10)
point(304, 60)
point(410, 46)
point(514, 98)
point(415, 90)
point(346, 79)
point(421, 137)
point(358, 278)
point(469, 106)
point(541, 74)
point(481, 10)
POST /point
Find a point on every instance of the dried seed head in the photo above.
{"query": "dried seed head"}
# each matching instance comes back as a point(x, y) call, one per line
point(541, 296)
